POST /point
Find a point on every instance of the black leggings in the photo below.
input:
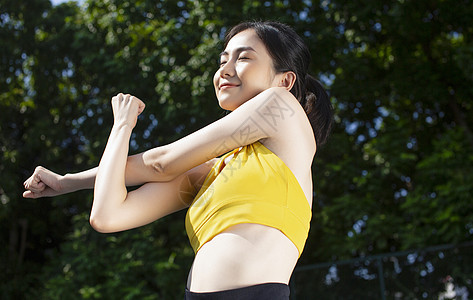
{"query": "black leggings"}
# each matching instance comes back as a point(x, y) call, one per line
point(264, 291)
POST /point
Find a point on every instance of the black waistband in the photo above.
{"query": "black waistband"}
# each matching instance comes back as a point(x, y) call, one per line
point(273, 291)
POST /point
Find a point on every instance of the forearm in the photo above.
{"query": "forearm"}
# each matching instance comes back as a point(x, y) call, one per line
point(110, 189)
point(139, 170)
point(84, 180)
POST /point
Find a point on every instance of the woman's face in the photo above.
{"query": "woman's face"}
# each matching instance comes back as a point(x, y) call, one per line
point(246, 69)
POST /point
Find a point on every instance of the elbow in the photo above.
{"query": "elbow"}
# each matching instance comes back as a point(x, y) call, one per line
point(106, 211)
point(162, 172)
point(101, 224)
point(159, 168)
point(97, 224)
point(161, 165)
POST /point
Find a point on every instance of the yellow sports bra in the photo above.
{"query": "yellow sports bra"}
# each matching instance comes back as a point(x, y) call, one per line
point(257, 187)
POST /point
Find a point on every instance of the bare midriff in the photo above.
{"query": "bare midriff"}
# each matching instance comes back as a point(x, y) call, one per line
point(243, 255)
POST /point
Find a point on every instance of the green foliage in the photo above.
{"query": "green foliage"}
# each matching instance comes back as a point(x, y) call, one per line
point(395, 175)
point(141, 263)
point(397, 168)
point(440, 206)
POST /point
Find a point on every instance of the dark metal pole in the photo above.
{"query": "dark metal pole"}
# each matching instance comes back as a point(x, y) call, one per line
point(382, 286)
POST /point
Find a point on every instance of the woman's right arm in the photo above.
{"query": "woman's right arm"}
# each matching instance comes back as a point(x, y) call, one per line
point(45, 183)
point(150, 202)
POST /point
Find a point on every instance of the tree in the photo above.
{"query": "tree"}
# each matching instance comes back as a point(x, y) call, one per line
point(395, 174)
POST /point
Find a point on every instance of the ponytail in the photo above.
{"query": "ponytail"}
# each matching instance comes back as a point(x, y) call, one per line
point(318, 108)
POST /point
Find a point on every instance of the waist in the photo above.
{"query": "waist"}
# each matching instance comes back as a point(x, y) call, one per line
point(243, 255)
point(273, 291)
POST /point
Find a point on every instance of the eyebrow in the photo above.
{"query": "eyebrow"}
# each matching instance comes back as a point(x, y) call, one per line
point(239, 49)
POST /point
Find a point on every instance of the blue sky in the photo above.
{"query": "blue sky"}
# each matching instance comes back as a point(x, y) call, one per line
point(56, 2)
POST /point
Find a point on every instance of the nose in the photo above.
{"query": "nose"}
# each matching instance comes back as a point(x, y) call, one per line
point(227, 70)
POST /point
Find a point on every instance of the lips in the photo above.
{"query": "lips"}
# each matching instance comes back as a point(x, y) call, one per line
point(227, 85)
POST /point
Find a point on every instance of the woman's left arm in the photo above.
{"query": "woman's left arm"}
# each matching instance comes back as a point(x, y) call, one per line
point(272, 114)
point(110, 189)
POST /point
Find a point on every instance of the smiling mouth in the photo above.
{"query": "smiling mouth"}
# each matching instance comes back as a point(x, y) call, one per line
point(226, 86)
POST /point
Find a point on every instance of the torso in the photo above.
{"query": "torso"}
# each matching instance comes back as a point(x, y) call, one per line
point(268, 255)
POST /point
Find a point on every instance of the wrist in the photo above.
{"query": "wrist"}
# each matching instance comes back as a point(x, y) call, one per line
point(72, 182)
point(64, 183)
point(122, 127)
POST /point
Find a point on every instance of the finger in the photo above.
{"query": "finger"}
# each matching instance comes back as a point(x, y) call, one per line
point(118, 97)
point(48, 180)
point(141, 107)
point(30, 194)
point(48, 192)
point(35, 183)
point(28, 182)
point(141, 104)
point(36, 178)
point(37, 188)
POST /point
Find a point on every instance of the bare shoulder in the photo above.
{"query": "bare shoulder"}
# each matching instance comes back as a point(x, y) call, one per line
point(293, 131)
point(278, 105)
point(294, 141)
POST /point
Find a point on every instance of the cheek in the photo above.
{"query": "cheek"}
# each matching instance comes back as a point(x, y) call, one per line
point(215, 79)
point(253, 73)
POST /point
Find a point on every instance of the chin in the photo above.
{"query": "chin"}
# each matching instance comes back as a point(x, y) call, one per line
point(229, 104)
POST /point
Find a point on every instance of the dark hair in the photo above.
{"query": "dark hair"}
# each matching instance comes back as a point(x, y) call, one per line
point(290, 53)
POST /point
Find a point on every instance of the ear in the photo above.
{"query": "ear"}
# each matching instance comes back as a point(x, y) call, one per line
point(287, 80)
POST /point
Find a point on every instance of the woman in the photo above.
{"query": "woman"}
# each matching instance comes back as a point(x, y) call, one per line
point(249, 210)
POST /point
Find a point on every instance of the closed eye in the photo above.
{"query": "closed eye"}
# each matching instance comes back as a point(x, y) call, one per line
point(223, 62)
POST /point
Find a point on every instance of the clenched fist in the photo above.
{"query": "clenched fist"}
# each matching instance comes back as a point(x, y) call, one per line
point(126, 109)
point(43, 183)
